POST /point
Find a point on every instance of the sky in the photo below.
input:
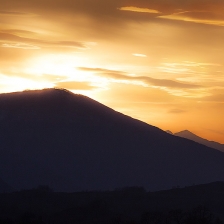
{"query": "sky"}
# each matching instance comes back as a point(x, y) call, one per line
point(160, 61)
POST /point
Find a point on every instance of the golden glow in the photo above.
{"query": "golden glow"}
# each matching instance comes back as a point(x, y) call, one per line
point(60, 65)
point(13, 84)
point(161, 63)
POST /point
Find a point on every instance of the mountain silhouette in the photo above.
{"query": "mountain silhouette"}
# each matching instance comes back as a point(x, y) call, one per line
point(73, 143)
point(189, 135)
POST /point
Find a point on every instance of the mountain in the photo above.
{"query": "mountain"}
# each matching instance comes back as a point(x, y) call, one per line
point(189, 135)
point(73, 143)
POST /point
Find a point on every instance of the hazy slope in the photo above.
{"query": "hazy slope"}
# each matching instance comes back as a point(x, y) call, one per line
point(71, 143)
point(189, 135)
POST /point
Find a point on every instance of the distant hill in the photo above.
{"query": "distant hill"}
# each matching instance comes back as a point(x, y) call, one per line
point(189, 135)
point(73, 143)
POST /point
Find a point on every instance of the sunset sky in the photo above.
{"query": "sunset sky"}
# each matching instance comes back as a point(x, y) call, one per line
point(160, 61)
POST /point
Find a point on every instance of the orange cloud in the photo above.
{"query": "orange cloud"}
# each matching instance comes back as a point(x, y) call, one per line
point(137, 9)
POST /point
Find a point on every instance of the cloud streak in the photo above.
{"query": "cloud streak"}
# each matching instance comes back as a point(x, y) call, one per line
point(197, 17)
point(20, 46)
point(136, 9)
point(15, 41)
point(14, 13)
point(147, 80)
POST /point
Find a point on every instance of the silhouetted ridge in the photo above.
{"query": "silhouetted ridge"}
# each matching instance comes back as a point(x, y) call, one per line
point(189, 135)
point(58, 105)
point(50, 100)
point(73, 143)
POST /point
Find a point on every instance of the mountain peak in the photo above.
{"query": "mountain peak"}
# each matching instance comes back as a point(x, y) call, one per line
point(43, 94)
point(48, 99)
point(185, 133)
point(191, 136)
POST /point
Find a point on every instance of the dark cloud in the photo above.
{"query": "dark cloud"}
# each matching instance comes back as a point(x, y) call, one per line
point(148, 80)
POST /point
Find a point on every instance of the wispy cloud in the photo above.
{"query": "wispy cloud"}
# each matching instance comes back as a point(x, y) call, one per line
point(200, 17)
point(145, 79)
point(21, 42)
point(16, 31)
point(20, 46)
point(137, 9)
point(16, 13)
point(140, 55)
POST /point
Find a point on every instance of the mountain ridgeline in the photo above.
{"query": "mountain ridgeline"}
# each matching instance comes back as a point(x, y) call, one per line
point(73, 143)
point(189, 135)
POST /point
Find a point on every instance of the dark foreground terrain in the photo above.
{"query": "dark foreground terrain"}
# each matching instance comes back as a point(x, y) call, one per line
point(73, 143)
point(202, 204)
